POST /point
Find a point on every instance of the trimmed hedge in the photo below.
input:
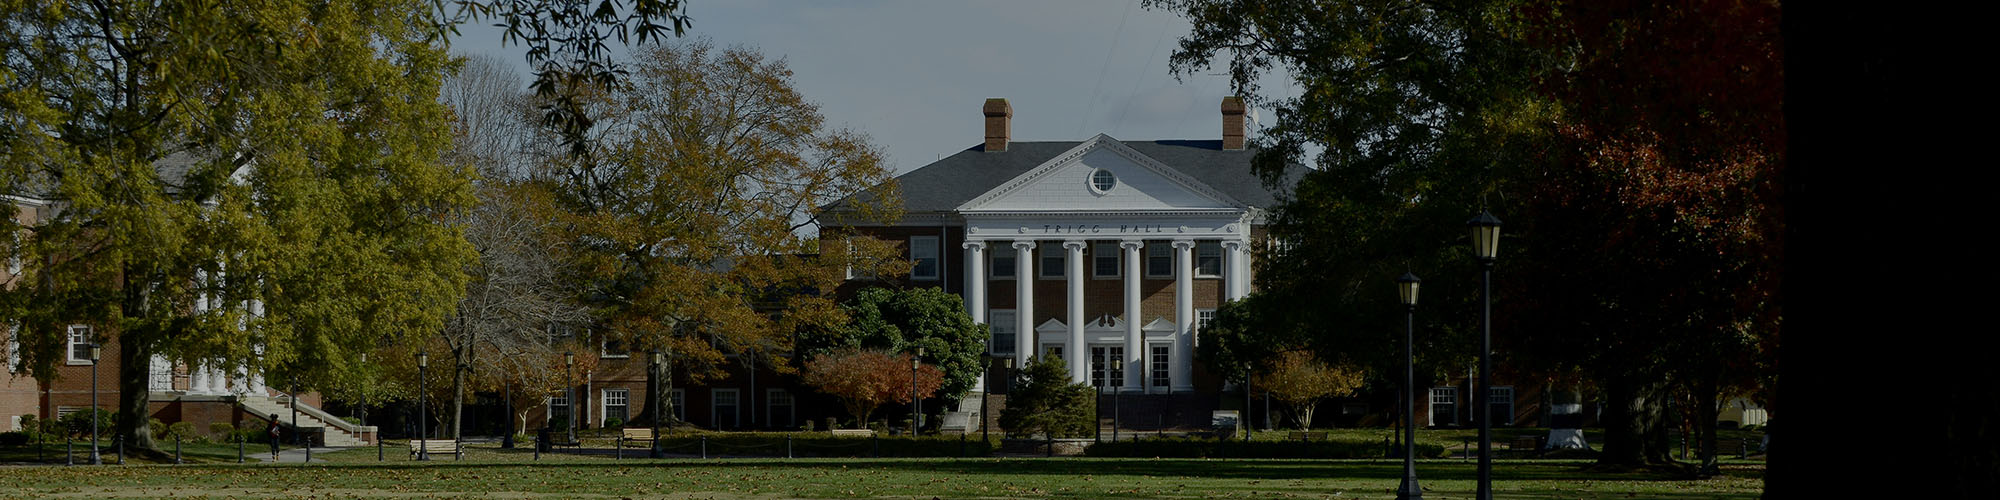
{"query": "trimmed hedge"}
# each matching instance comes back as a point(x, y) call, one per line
point(1179, 447)
point(823, 445)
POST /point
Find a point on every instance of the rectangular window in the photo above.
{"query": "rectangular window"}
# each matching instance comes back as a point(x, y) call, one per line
point(778, 408)
point(1159, 260)
point(1002, 322)
point(1003, 261)
point(79, 344)
point(14, 349)
point(1208, 259)
point(1054, 351)
point(1104, 260)
point(1444, 406)
point(924, 252)
point(559, 410)
point(724, 412)
point(64, 411)
point(1500, 405)
point(615, 406)
point(1202, 317)
point(1052, 261)
point(1101, 372)
point(679, 399)
point(1161, 367)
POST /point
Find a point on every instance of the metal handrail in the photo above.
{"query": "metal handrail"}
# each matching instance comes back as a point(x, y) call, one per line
point(290, 400)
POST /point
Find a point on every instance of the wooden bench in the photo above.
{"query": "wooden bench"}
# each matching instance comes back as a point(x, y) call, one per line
point(1306, 436)
point(852, 432)
point(435, 447)
point(644, 436)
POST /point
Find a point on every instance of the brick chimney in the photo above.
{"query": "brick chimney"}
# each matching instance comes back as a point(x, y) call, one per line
point(1232, 123)
point(998, 124)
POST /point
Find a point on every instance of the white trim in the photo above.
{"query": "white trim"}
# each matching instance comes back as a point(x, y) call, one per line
point(1220, 265)
point(993, 317)
point(1492, 401)
point(70, 343)
point(677, 398)
point(1091, 180)
point(604, 405)
point(1438, 396)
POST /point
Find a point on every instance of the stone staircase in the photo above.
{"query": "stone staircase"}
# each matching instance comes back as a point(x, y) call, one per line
point(966, 418)
point(337, 433)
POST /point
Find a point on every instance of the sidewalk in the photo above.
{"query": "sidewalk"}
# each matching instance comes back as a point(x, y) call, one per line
point(293, 455)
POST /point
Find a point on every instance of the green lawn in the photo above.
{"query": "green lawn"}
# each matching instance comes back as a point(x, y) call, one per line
point(52, 453)
point(485, 475)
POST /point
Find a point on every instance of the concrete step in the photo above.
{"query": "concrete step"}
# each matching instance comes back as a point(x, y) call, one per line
point(332, 435)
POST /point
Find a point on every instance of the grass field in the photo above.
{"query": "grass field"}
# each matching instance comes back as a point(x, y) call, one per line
point(573, 477)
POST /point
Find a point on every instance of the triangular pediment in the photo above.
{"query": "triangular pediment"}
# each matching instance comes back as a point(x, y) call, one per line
point(1160, 324)
point(1052, 326)
point(1137, 183)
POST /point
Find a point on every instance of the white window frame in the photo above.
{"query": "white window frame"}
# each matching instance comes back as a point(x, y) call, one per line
point(1106, 250)
point(559, 398)
point(998, 266)
point(604, 405)
point(14, 349)
point(1208, 251)
point(1101, 374)
point(1202, 318)
point(791, 408)
point(1045, 253)
point(1055, 350)
point(1443, 396)
point(604, 349)
point(1159, 365)
point(678, 399)
point(715, 407)
point(918, 256)
point(71, 342)
point(1162, 252)
point(847, 246)
point(999, 319)
point(1498, 396)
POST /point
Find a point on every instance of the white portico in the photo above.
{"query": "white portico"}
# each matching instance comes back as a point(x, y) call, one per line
point(1102, 213)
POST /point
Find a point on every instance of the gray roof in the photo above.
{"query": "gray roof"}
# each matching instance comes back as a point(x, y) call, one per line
point(945, 184)
point(173, 171)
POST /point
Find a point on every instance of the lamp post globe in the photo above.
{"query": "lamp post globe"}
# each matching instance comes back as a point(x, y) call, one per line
point(1406, 289)
point(1486, 247)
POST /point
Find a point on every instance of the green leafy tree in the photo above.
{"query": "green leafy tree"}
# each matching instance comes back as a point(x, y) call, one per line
point(1300, 379)
point(276, 161)
point(903, 320)
point(1641, 180)
point(685, 217)
point(1046, 402)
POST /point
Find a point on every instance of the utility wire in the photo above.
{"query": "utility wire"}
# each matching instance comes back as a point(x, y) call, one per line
point(1101, 70)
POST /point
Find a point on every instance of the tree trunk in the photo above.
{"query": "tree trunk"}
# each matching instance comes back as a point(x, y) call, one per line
point(1707, 409)
point(458, 397)
point(1305, 415)
point(134, 394)
point(1634, 435)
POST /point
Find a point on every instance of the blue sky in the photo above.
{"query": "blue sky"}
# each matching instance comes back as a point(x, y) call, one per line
point(912, 74)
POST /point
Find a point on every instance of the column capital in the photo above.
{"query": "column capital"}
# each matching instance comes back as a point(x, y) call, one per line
point(1024, 244)
point(1233, 245)
point(974, 245)
point(1183, 244)
point(1076, 245)
point(1132, 245)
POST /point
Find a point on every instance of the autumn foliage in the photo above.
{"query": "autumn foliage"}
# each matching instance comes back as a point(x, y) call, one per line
point(1301, 380)
point(865, 379)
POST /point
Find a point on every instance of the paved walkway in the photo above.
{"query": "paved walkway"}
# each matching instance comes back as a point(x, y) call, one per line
point(293, 455)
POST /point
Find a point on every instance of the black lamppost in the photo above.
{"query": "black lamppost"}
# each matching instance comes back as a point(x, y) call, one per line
point(654, 362)
point(1485, 245)
point(1118, 367)
point(1011, 375)
point(569, 394)
point(361, 410)
point(423, 399)
point(985, 398)
point(916, 402)
point(1406, 286)
point(95, 352)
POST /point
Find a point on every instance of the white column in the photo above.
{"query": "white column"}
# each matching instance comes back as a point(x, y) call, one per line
point(975, 281)
point(975, 294)
point(1024, 302)
point(1183, 373)
point(1079, 361)
point(198, 380)
point(1135, 344)
point(1234, 284)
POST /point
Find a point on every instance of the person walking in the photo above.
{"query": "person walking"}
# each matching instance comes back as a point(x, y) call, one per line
point(273, 431)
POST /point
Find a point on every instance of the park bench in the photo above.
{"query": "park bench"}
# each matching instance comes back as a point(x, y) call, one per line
point(852, 432)
point(437, 447)
point(642, 436)
point(1306, 436)
point(1740, 448)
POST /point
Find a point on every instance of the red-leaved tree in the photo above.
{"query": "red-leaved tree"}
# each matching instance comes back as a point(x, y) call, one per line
point(865, 379)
